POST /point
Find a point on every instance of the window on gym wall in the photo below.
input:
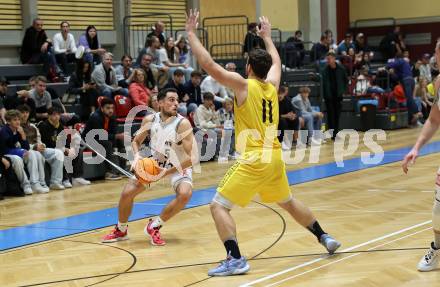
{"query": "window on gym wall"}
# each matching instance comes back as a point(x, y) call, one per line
point(79, 13)
point(10, 15)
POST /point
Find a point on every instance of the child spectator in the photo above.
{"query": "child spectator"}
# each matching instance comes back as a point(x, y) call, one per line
point(54, 157)
point(17, 144)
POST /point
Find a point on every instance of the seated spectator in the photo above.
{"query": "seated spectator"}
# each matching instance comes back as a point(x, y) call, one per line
point(154, 104)
point(360, 45)
point(346, 44)
point(105, 78)
point(330, 40)
point(422, 98)
point(41, 97)
point(64, 47)
point(206, 117)
point(288, 119)
point(54, 157)
point(183, 51)
point(312, 119)
point(173, 59)
point(103, 119)
point(177, 83)
point(434, 67)
point(295, 51)
point(362, 83)
point(416, 70)
point(36, 48)
point(146, 66)
point(158, 57)
point(20, 98)
point(81, 84)
point(226, 117)
point(431, 90)
point(320, 49)
point(364, 63)
point(139, 93)
point(192, 88)
point(123, 71)
point(50, 130)
point(158, 31)
point(252, 40)
point(16, 163)
point(210, 85)
point(425, 68)
point(3, 90)
point(89, 40)
point(17, 144)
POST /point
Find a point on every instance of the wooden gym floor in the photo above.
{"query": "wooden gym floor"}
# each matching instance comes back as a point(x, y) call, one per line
point(381, 216)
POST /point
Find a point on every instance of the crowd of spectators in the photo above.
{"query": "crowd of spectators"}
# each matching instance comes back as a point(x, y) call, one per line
point(34, 119)
point(39, 139)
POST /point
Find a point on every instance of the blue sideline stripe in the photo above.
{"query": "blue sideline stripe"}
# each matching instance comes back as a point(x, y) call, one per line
point(52, 229)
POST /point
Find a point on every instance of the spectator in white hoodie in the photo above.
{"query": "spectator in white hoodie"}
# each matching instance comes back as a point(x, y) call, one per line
point(64, 46)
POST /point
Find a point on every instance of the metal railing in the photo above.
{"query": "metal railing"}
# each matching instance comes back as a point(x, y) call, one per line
point(225, 31)
point(137, 27)
point(201, 33)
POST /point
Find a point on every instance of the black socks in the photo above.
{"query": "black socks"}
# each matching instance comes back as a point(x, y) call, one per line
point(232, 248)
point(316, 229)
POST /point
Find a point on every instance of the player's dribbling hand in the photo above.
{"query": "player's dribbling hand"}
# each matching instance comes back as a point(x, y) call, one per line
point(264, 29)
point(192, 20)
point(410, 158)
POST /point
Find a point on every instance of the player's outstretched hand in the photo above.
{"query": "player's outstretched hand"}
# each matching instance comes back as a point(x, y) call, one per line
point(265, 29)
point(410, 158)
point(192, 21)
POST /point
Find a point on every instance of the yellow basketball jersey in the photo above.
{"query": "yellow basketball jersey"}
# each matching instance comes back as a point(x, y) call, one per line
point(256, 120)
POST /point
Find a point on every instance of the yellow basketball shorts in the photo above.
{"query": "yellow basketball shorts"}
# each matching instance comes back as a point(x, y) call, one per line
point(245, 180)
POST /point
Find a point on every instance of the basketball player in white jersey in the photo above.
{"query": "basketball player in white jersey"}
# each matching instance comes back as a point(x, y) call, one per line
point(171, 143)
point(431, 259)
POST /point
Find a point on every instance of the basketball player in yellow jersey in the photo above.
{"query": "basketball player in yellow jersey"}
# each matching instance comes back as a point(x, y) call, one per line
point(261, 169)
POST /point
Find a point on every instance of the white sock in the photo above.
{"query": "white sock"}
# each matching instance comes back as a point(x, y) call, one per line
point(157, 222)
point(122, 226)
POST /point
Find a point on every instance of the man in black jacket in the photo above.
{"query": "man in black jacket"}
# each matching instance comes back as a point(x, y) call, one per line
point(334, 81)
point(36, 48)
point(192, 88)
point(50, 131)
point(102, 120)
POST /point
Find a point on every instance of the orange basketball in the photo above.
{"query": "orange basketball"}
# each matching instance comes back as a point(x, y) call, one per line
point(146, 169)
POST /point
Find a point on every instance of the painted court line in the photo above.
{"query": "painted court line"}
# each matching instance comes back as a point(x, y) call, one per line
point(325, 257)
point(52, 229)
point(348, 257)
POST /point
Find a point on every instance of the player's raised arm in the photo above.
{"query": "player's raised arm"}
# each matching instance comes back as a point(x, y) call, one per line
point(230, 79)
point(265, 32)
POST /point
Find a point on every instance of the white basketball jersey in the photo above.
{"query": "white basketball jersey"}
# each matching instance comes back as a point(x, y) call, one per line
point(165, 145)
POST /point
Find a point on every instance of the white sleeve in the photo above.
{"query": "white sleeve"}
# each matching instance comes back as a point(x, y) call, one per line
point(57, 40)
point(72, 44)
point(163, 57)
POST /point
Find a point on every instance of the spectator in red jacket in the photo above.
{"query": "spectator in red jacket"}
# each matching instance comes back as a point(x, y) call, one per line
point(139, 93)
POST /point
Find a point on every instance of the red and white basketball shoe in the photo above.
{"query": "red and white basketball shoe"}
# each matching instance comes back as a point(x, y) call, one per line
point(154, 234)
point(115, 235)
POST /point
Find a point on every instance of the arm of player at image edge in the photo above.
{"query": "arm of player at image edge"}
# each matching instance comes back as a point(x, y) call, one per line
point(431, 125)
point(230, 79)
